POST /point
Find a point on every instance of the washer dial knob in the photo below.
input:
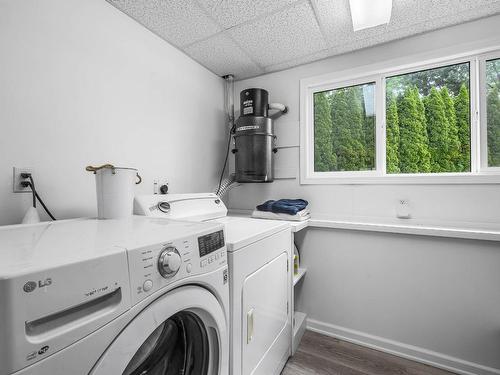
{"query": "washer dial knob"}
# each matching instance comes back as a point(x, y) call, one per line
point(169, 262)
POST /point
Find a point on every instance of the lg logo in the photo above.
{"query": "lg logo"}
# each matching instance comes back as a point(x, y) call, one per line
point(31, 285)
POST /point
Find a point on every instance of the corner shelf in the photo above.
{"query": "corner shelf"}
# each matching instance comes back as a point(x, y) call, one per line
point(299, 327)
point(299, 318)
point(299, 275)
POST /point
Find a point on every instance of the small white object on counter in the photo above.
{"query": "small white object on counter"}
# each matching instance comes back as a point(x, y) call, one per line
point(403, 210)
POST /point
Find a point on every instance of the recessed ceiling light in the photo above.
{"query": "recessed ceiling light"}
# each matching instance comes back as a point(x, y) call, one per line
point(370, 13)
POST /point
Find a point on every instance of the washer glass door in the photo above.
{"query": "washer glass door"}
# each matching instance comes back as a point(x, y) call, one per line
point(178, 346)
point(184, 331)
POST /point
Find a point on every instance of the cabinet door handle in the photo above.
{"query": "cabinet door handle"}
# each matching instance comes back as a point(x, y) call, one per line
point(250, 326)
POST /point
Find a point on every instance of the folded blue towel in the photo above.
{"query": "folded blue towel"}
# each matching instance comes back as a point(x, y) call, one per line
point(283, 206)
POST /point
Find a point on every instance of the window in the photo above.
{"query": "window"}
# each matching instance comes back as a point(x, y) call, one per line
point(493, 111)
point(425, 123)
point(344, 129)
point(428, 121)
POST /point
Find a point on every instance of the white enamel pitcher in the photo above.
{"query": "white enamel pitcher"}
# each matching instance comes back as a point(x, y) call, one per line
point(115, 190)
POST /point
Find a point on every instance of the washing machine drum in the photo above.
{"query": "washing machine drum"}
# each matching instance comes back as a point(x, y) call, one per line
point(177, 346)
point(183, 332)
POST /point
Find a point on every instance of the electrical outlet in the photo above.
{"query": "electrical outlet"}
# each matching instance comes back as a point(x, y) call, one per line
point(17, 179)
point(403, 210)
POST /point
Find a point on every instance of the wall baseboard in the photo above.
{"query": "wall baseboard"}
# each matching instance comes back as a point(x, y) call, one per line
point(399, 349)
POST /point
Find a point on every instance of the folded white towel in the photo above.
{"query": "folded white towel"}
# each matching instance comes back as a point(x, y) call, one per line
point(299, 216)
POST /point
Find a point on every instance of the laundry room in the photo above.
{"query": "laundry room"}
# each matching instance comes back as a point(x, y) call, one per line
point(235, 187)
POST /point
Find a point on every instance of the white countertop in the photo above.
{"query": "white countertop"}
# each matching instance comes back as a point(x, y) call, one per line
point(33, 247)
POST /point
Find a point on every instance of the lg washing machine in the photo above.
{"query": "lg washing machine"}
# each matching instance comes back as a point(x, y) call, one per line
point(132, 296)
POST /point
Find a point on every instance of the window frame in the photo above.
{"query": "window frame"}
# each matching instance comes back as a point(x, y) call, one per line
point(483, 123)
point(478, 174)
point(336, 86)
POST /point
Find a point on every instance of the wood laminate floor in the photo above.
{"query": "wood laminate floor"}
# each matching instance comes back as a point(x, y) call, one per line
point(322, 355)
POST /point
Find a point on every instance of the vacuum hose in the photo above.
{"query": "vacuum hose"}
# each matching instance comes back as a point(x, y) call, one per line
point(281, 108)
point(227, 184)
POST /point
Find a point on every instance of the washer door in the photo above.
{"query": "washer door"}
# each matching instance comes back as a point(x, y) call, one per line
point(182, 332)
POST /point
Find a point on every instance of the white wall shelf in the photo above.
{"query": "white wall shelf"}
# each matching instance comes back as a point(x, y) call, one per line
point(481, 231)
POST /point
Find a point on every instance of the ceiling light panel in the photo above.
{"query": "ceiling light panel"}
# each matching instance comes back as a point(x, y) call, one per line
point(370, 13)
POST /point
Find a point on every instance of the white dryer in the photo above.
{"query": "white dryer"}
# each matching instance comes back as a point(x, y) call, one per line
point(134, 296)
point(259, 252)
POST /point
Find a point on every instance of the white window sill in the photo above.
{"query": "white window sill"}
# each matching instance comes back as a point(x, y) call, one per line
point(330, 178)
point(487, 231)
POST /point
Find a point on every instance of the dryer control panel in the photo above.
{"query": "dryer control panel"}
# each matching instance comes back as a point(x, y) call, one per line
point(156, 266)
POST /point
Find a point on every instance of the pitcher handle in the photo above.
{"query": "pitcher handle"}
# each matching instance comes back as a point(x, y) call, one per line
point(139, 179)
point(93, 169)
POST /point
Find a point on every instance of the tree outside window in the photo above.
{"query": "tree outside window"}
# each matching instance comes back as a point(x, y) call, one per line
point(493, 111)
point(428, 121)
point(344, 129)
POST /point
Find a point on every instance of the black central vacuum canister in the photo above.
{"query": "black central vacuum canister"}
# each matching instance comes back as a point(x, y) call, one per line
point(254, 102)
point(254, 138)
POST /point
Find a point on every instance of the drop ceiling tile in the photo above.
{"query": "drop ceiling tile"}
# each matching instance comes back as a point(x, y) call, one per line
point(335, 18)
point(442, 7)
point(179, 22)
point(299, 61)
point(234, 12)
point(282, 36)
point(222, 56)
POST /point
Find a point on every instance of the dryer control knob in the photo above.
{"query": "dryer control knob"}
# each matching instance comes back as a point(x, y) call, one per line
point(169, 262)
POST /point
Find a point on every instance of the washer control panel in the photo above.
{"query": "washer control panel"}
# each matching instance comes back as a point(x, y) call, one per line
point(154, 267)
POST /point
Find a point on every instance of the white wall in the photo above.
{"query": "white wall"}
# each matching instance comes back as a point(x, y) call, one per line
point(434, 202)
point(81, 83)
point(435, 299)
point(429, 298)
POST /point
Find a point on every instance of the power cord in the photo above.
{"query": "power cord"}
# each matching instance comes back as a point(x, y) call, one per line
point(31, 185)
point(32, 190)
point(225, 160)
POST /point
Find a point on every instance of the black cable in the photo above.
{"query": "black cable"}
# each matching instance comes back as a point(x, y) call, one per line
point(225, 160)
point(33, 190)
point(44, 206)
point(32, 186)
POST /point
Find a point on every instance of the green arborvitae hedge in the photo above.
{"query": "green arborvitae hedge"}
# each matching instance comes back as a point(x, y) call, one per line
point(414, 156)
point(393, 138)
point(437, 130)
point(425, 133)
point(348, 136)
point(462, 117)
point(453, 142)
point(324, 158)
point(493, 120)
